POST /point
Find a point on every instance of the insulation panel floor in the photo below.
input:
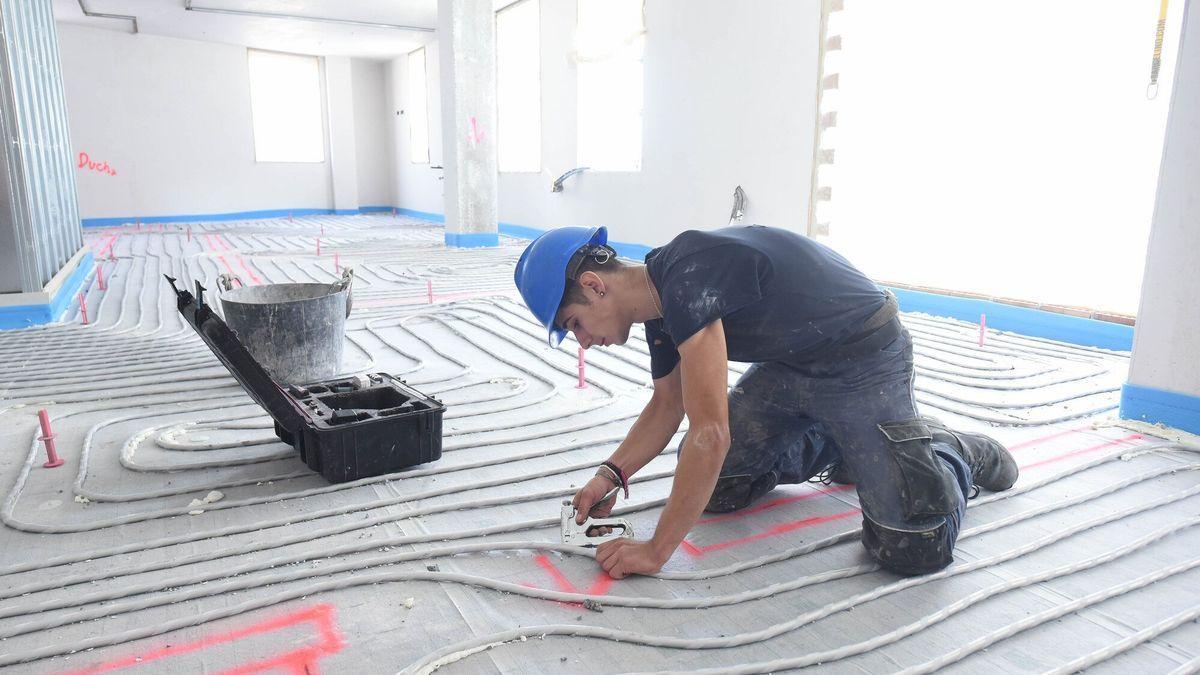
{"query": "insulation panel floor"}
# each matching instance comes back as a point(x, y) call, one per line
point(181, 536)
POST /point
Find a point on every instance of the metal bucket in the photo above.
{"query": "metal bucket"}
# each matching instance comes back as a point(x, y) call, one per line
point(296, 331)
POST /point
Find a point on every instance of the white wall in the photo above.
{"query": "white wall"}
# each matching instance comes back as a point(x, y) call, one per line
point(372, 132)
point(1167, 340)
point(172, 117)
point(415, 186)
point(729, 100)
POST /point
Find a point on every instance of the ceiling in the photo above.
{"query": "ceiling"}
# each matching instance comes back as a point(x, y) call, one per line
point(318, 27)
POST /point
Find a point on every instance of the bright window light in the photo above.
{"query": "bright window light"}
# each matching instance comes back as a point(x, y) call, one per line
point(518, 87)
point(965, 164)
point(285, 101)
point(418, 109)
point(609, 41)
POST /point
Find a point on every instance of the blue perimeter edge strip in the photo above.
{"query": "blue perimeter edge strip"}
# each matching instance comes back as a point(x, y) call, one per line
point(24, 316)
point(1023, 320)
point(1173, 409)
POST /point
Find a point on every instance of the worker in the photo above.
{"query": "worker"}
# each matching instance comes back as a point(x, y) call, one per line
point(828, 394)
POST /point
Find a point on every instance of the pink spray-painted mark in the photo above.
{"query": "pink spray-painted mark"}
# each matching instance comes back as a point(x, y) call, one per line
point(228, 267)
point(600, 586)
point(47, 438)
point(301, 660)
point(100, 277)
point(429, 288)
point(108, 244)
point(474, 136)
point(982, 327)
point(249, 272)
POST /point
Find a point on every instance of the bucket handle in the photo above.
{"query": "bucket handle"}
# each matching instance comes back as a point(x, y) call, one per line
point(225, 282)
point(344, 284)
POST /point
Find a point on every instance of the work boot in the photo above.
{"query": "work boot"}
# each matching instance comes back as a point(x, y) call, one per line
point(992, 465)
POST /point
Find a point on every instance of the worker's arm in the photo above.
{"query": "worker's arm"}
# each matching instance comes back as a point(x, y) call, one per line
point(654, 427)
point(704, 372)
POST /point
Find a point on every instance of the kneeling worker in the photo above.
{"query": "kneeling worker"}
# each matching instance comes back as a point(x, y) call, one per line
point(829, 391)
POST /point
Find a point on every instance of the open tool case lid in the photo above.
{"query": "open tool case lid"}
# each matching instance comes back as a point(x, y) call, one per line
point(224, 343)
point(346, 428)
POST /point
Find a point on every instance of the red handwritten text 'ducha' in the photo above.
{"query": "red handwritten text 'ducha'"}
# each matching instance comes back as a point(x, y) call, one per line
point(102, 167)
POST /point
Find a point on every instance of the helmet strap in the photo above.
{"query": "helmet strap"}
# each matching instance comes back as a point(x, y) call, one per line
point(601, 253)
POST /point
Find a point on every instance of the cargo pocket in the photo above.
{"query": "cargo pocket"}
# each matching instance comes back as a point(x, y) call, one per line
point(927, 488)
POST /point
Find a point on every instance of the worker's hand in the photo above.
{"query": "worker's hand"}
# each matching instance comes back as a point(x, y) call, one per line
point(622, 557)
point(587, 501)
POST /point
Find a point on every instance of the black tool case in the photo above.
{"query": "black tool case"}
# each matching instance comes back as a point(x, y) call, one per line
point(346, 429)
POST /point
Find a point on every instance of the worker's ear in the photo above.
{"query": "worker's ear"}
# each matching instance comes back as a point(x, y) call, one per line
point(592, 284)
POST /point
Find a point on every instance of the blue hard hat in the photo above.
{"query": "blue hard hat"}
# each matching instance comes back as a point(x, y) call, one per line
point(541, 273)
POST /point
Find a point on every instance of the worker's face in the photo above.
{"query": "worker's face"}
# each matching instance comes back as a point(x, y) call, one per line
point(599, 321)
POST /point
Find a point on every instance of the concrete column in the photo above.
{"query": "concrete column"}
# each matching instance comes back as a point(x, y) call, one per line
point(467, 46)
point(1164, 375)
point(343, 153)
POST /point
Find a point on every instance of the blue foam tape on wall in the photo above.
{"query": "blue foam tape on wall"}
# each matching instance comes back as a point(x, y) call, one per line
point(1155, 406)
point(23, 316)
point(1023, 320)
point(472, 239)
point(423, 215)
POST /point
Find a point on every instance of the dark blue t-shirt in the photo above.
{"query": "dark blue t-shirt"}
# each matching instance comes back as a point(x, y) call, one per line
point(781, 296)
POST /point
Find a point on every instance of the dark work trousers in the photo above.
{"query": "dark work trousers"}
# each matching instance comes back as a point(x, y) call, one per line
point(789, 423)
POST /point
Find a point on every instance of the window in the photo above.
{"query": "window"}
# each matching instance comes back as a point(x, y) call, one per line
point(609, 40)
point(418, 109)
point(1005, 183)
point(285, 102)
point(518, 87)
